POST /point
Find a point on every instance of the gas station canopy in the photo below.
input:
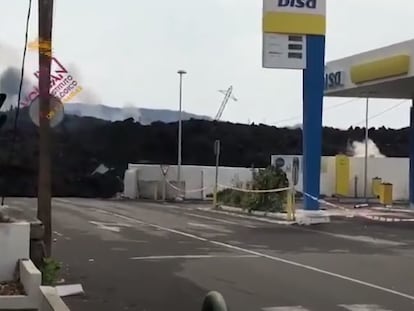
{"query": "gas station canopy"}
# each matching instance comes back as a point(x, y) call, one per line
point(382, 73)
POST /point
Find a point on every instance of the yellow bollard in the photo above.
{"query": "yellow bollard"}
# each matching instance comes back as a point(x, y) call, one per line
point(376, 184)
point(385, 194)
point(290, 205)
point(342, 171)
point(215, 205)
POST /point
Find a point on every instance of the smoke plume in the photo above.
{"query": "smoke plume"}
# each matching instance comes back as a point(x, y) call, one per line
point(9, 84)
point(357, 149)
point(87, 95)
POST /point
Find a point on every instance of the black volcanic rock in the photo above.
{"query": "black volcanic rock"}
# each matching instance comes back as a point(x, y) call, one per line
point(81, 144)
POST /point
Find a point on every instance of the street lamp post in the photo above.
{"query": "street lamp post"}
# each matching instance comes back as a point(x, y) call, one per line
point(180, 129)
point(366, 151)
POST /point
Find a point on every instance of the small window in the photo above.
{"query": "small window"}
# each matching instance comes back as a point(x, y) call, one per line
point(297, 47)
point(295, 55)
point(296, 38)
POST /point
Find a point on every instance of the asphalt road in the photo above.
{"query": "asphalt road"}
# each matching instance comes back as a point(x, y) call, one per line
point(155, 257)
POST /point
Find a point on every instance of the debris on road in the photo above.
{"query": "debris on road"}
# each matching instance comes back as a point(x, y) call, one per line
point(69, 290)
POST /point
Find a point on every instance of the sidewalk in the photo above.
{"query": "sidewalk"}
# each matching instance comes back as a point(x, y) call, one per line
point(375, 213)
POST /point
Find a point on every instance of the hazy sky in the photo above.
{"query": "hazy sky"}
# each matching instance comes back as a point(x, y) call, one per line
point(127, 52)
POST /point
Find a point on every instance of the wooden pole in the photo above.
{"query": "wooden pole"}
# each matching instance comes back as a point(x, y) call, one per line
point(44, 180)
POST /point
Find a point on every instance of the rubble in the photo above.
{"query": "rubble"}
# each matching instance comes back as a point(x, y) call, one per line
point(11, 288)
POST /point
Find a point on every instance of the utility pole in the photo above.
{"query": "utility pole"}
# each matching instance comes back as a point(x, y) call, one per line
point(217, 154)
point(366, 151)
point(44, 210)
point(180, 131)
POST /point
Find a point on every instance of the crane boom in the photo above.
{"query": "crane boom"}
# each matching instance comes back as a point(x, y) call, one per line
point(227, 96)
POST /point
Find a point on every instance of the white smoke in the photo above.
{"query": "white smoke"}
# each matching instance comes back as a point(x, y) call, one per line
point(87, 95)
point(357, 149)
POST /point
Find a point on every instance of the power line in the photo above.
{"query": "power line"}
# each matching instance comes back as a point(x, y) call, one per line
point(16, 117)
point(325, 109)
point(382, 112)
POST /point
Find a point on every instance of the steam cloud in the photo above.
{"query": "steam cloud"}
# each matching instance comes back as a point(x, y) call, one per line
point(87, 96)
point(357, 149)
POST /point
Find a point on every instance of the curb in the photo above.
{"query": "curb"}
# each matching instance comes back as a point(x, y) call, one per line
point(282, 218)
point(386, 219)
point(234, 211)
point(279, 216)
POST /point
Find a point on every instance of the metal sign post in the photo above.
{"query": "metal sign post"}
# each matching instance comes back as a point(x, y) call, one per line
point(295, 171)
point(217, 153)
point(164, 171)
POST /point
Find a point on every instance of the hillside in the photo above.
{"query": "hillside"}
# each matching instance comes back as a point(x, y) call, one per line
point(142, 115)
point(81, 144)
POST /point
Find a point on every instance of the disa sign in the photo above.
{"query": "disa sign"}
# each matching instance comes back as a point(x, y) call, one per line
point(334, 80)
point(310, 4)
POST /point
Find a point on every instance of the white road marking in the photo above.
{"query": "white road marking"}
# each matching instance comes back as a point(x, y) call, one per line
point(263, 255)
point(292, 308)
point(114, 227)
point(347, 307)
point(191, 257)
point(261, 219)
point(188, 235)
point(220, 220)
point(205, 217)
point(367, 239)
point(57, 233)
point(193, 224)
point(363, 308)
point(358, 238)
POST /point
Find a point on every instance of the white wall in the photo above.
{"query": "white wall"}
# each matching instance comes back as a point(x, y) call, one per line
point(198, 180)
point(392, 170)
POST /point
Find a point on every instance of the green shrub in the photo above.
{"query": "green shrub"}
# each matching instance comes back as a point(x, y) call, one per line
point(264, 179)
point(50, 271)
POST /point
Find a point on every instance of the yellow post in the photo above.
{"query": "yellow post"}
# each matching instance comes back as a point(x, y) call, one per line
point(342, 169)
point(376, 184)
point(386, 194)
point(294, 203)
point(289, 205)
point(215, 197)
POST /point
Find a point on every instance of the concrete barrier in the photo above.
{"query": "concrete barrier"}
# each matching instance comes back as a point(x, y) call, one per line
point(31, 278)
point(14, 245)
point(50, 300)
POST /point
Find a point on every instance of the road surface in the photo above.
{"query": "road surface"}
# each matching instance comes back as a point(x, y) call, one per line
point(157, 257)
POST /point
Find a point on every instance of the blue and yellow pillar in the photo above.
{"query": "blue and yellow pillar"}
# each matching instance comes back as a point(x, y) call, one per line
point(411, 148)
point(313, 92)
point(305, 18)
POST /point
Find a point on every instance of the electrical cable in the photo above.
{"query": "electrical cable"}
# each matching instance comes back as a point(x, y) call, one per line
point(16, 117)
point(382, 112)
point(325, 109)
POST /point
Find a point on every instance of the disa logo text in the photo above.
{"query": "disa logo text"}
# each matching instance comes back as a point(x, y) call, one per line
point(310, 4)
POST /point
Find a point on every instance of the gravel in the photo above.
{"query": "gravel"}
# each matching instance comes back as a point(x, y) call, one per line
point(11, 288)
